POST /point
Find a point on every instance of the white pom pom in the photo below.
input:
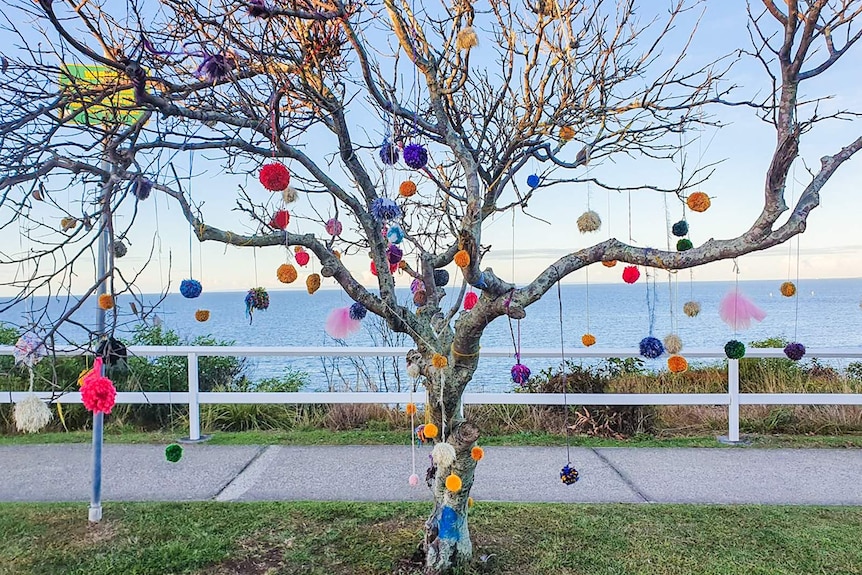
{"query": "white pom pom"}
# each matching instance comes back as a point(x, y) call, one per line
point(466, 39)
point(413, 480)
point(413, 370)
point(673, 344)
point(589, 222)
point(443, 455)
point(31, 414)
point(289, 195)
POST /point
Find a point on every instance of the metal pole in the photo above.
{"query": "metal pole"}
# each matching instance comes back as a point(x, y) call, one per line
point(194, 399)
point(733, 406)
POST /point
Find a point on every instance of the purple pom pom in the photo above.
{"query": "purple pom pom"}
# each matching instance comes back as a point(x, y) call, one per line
point(394, 254)
point(258, 9)
point(384, 209)
point(141, 187)
point(357, 311)
point(520, 373)
point(416, 285)
point(415, 156)
point(215, 67)
point(794, 351)
point(389, 153)
point(651, 347)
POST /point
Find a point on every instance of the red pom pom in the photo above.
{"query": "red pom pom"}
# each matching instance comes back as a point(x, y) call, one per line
point(97, 392)
point(373, 268)
point(631, 274)
point(393, 268)
point(302, 258)
point(280, 219)
point(470, 300)
point(274, 177)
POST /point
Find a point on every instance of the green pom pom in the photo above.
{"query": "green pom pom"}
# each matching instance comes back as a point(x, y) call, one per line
point(734, 349)
point(684, 244)
point(174, 452)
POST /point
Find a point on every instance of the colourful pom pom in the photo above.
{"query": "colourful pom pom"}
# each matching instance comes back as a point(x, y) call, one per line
point(415, 156)
point(439, 361)
point(29, 350)
point(286, 273)
point(453, 483)
point(430, 430)
point(406, 189)
point(589, 222)
point(609, 263)
point(280, 220)
point(106, 301)
point(333, 227)
point(417, 285)
point(312, 283)
point(97, 392)
point(357, 311)
point(698, 202)
point(631, 274)
point(477, 453)
point(470, 300)
point(691, 308)
point(683, 245)
point(202, 315)
point(441, 278)
point(174, 452)
point(274, 177)
point(520, 373)
point(302, 258)
point(389, 153)
point(190, 288)
point(384, 209)
point(673, 344)
point(680, 228)
point(256, 298)
point(677, 364)
point(462, 258)
point(395, 235)
point(567, 133)
point(794, 351)
point(569, 475)
point(533, 181)
point(588, 339)
point(651, 347)
point(788, 289)
point(734, 349)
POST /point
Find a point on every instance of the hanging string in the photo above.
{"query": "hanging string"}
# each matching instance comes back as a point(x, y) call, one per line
point(442, 406)
point(651, 299)
point(254, 256)
point(191, 229)
point(736, 298)
point(565, 382)
point(587, 271)
point(412, 427)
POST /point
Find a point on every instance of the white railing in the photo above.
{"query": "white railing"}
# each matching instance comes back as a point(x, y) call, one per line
point(194, 398)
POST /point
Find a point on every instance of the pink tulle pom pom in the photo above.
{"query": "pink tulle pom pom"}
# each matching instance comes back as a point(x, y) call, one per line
point(414, 480)
point(339, 324)
point(737, 311)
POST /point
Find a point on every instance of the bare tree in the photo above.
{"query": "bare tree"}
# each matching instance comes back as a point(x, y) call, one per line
point(570, 83)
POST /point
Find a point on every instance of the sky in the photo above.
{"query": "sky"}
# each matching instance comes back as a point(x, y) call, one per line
point(523, 245)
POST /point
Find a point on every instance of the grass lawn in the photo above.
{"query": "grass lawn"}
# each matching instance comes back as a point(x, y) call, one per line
point(373, 437)
point(369, 538)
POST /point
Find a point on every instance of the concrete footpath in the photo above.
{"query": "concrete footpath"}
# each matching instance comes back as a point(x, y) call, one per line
point(379, 473)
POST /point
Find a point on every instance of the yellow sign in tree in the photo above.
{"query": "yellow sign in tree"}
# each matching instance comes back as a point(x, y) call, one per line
point(96, 95)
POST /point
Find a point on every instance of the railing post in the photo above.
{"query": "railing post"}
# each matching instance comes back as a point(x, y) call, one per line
point(194, 405)
point(733, 406)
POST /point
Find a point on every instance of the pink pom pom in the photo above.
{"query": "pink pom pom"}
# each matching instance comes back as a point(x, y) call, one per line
point(414, 480)
point(339, 325)
point(470, 300)
point(737, 311)
point(97, 392)
point(302, 258)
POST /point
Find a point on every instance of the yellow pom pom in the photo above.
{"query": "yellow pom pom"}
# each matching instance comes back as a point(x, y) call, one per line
point(407, 188)
point(453, 483)
point(698, 202)
point(588, 339)
point(430, 430)
point(567, 133)
point(82, 375)
point(106, 301)
point(477, 453)
point(439, 361)
point(788, 289)
point(202, 315)
point(286, 273)
point(462, 258)
point(411, 409)
point(312, 283)
point(677, 364)
point(470, 502)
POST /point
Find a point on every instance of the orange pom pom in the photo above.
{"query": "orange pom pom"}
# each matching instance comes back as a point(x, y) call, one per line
point(439, 361)
point(430, 430)
point(677, 364)
point(698, 202)
point(588, 339)
point(477, 453)
point(202, 315)
point(106, 301)
point(337, 254)
point(788, 289)
point(453, 483)
point(567, 133)
point(297, 249)
point(286, 273)
point(609, 263)
point(462, 258)
point(411, 409)
point(407, 188)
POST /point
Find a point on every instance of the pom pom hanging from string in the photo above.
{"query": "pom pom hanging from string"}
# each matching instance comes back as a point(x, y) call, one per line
point(683, 245)
point(680, 228)
point(415, 156)
point(31, 414)
point(258, 9)
point(119, 249)
point(413, 370)
point(631, 274)
point(106, 301)
point(691, 308)
point(202, 315)
point(333, 227)
point(395, 235)
point(737, 311)
point(286, 273)
point(794, 351)
point(340, 324)
point(677, 364)
point(174, 452)
point(462, 258)
point(312, 283)
point(394, 254)
point(384, 209)
point(698, 202)
point(734, 349)
point(67, 224)
point(566, 133)
point(430, 430)
point(302, 258)
point(416, 285)
point(533, 181)
point(439, 361)
point(141, 188)
point(256, 299)
point(470, 300)
point(588, 339)
point(190, 288)
point(589, 222)
point(406, 189)
point(788, 289)
point(569, 475)
point(609, 263)
point(466, 39)
point(29, 350)
point(651, 347)
point(97, 392)
point(673, 344)
point(358, 311)
point(389, 153)
point(280, 220)
point(441, 278)
point(289, 195)
point(274, 177)
point(520, 374)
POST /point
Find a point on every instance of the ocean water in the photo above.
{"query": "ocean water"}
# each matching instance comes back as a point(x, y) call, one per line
point(824, 313)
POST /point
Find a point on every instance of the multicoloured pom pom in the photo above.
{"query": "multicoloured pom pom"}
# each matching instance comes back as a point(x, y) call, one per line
point(788, 289)
point(698, 202)
point(286, 273)
point(691, 308)
point(589, 221)
point(358, 311)
point(274, 177)
point(734, 349)
point(395, 235)
point(680, 228)
point(29, 350)
point(533, 181)
point(631, 274)
point(794, 351)
point(415, 156)
point(280, 220)
point(520, 373)
point(256, 298)
point(683, 245)
point(333, 227)
point(569, 475)
point(406, 189)
point(190, 288)
point(384, 209)
point(441, 278)
point(470, 300)
point(389, 153)
point(174, 452)
point(651, 347)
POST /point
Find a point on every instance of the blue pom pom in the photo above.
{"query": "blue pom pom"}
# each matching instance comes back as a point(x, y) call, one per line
point(190, 288)
point(447, 526)
point(389, 153)
point(569, 475)
point(533, 181)
point(651, 347)
point(441, 278)
point(384, 209)
point(395, 235)
point(357, 311)
point(141, 187)
point(415, 156)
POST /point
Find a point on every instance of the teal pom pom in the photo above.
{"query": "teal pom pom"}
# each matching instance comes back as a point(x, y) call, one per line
point(174, 452)
point(734, 349)
point(680, 228)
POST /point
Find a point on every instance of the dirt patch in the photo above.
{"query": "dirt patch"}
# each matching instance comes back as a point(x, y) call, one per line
point(255, 558)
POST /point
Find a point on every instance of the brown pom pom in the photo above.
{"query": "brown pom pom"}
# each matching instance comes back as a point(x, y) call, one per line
point(467, 39)
point(691, 308)
point(312, 283)
point(407, 188)
point(698, 202)
point(462, 258)
point(677, 364)
point(567, 133)
point(202, 315)
point(67, 224)
point(420, 298)
point(588, 339)
point(286, 273)
point(609, 263)
point(289, 195)
point(788, 289)
point(106, 301)
point(589, 222)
